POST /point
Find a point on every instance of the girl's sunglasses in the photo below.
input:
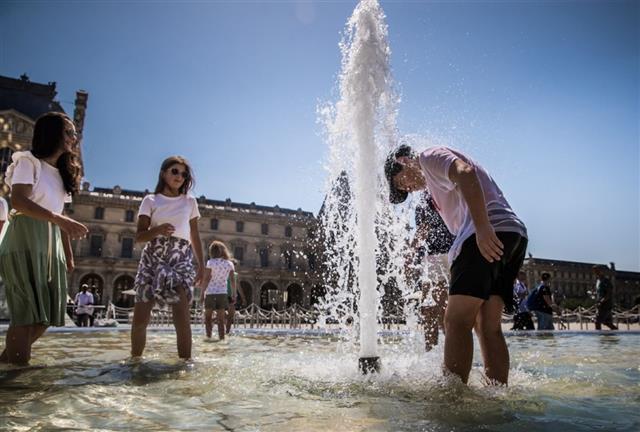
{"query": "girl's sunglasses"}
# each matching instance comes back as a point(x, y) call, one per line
point(176, 171)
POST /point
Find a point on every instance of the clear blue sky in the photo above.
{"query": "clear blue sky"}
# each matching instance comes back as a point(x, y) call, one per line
point(544, 94)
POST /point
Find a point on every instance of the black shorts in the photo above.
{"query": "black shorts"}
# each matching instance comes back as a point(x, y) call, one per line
point(473, 275)
point(216, 301)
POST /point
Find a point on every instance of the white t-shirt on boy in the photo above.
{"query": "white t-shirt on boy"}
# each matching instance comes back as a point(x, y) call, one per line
point(177, 211)
point(435, 163)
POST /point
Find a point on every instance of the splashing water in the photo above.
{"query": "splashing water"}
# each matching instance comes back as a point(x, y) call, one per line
point(364, 238)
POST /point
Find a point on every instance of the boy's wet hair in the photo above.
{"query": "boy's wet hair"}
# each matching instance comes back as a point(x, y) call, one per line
point(392, 168)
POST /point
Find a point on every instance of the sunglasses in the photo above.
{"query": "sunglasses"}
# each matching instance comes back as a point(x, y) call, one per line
point(176, 171)
point(71, 133)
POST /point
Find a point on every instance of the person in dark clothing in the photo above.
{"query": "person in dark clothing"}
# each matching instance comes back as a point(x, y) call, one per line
point(431, 243)
point(522, 317)
point(541, 303)
point(604, 298)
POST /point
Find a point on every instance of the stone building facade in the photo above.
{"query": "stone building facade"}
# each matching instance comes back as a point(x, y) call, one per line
point(21, 103)
point(574, 283)
point(276, 265)
point(272, 244)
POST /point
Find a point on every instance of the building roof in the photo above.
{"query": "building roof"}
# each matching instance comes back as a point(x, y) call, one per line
point(29, 98)
point(554, 262)
point(251, 207)
point(560, 263)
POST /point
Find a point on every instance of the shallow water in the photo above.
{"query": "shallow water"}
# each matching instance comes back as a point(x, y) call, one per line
point(79, 381)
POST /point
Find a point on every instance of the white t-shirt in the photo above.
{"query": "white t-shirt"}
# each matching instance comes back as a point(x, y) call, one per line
point(435, 163)
point(84, 301)
point(4, 209)
point(220, 270)
point(48, 190)
point(177, 211)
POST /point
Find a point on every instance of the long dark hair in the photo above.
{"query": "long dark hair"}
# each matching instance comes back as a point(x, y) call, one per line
point(48, 137)
point(188, 183)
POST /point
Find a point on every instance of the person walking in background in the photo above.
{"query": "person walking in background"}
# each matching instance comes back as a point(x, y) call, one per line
point(233, 296)
point(540, 302)
point(84, 306)
point(522, 317)
point(97, 301)
point(429, 247)
point(488, 250)
point(604, 298)
point(35, 251)
point(218, 274)
point(168, 223)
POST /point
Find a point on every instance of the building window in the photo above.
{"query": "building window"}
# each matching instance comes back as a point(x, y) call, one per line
point(99, 213)
point(239, 226)
point(5, 159)
point(265, 229)
point(288, 231)
point(264, 257)
point(129, 216)
point(312, 261)
point(288, 259)
point(238, 253)
point(214, 224)
point(127, 247)
point(95, 245)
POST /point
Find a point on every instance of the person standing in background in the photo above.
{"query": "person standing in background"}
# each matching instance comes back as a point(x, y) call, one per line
point(522, 317)
point(604, 298)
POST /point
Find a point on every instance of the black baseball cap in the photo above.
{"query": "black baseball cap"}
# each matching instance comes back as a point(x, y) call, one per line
point(392, 168)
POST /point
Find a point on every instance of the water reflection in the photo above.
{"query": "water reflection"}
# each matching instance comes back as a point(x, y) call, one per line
point(609, 340)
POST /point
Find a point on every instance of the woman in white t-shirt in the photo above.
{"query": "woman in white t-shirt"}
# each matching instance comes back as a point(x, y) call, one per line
point(168, 223)
point(35, 252)
point(219, 272)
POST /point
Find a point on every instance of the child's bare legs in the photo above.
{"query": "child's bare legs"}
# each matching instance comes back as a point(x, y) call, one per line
point(19, 341)
point(231, 312)
point(459, 319)
point(182, 324)
point(220, 318)
point(141, 315)
point(492, 344)
point(208, 321)
point(433, 315)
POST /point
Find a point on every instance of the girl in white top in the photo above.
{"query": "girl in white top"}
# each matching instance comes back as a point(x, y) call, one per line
point(35, 252)
point(168, 223)
point(219, 272)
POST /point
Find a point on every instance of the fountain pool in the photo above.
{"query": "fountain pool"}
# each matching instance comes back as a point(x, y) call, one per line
point(568, 382)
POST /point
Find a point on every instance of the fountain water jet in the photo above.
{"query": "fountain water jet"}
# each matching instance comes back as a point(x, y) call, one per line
point(361, 130)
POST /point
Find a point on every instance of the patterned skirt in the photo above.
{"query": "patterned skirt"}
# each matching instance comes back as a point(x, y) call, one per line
point(166, 267)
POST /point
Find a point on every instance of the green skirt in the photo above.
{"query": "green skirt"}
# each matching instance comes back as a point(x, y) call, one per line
point(33, 267)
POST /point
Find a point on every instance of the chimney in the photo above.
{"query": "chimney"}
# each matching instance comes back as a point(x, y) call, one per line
point(78, 118)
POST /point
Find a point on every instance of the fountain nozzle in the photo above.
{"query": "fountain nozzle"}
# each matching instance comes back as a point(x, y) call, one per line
point(369, 365)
